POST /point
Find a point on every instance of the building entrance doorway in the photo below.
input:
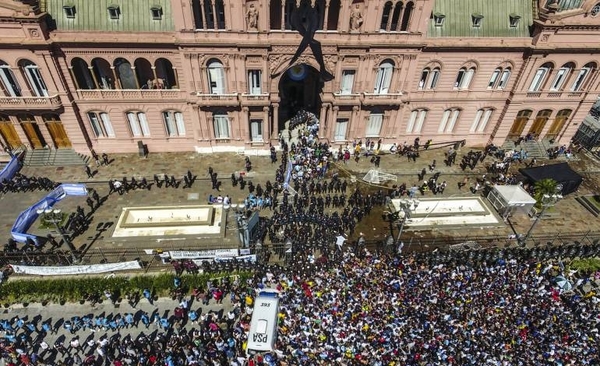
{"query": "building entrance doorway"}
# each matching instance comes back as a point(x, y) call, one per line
point(57, 131)
point(299, 88)
point(32, 131)
point(519, 124)
point(10, 138)
point(540, 122)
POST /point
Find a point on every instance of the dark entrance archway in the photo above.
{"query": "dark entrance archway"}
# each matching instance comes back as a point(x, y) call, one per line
point(300, 88)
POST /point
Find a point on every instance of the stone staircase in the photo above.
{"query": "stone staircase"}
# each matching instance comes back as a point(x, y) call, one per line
point(54, 157)
point(534, 149)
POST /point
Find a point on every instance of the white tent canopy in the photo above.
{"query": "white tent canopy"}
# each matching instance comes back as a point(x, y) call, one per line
point(508, 198)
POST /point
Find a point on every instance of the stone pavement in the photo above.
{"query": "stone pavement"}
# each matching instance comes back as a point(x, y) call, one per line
point(570, 216)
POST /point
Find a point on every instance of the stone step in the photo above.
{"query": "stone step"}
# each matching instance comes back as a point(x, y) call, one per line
point(60, 157)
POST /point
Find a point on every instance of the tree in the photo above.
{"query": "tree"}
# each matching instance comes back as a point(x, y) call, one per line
point(543, 187)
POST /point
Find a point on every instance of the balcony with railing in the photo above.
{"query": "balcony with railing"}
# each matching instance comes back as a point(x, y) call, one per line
point(252, 100)
point(218, 100)
point(30, 103)
point(555, 94)
point(381, 99)
point(129, 94)
point(346, 99)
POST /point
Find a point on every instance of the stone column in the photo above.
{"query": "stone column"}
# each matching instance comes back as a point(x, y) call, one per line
point(137, 82)
point(197, 122)
point(323, 117)
point(267, 123)
point(334, 115)
point(214, 10)
point(176, 75)
point(282, 15)
point(73, 77)
point(351, 123)
point(203, 14)
point(326, 14)
point(275, 118)
point(96, 79)
point(244, 124)
point(117, 80)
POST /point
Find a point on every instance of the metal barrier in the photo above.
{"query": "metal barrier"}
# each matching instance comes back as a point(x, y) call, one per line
point(153, 262)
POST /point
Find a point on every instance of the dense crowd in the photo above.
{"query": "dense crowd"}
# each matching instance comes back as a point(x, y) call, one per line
point(358, 309)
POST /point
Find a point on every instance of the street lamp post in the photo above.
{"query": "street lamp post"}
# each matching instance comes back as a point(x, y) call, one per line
point(548, 200)
point(399, 218)
point(55, 217)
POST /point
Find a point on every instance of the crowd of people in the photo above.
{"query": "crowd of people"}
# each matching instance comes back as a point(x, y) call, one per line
point(356, 308)
point(23, 183)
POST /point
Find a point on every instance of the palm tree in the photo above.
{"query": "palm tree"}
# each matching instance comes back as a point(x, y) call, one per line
point(543, 187)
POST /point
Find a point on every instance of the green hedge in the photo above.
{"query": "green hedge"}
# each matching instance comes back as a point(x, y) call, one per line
point(73, 289)
point(585, 265)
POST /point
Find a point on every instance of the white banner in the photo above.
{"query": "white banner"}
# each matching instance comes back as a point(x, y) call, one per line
point(246, 258)
point(191, 254)
point(75, 270)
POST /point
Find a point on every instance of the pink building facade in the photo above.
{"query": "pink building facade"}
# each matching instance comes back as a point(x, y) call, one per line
point(215, 75)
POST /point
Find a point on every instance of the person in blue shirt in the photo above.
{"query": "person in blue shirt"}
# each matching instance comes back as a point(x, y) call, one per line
point(148, 295)
point(145, 319)
point(164, 323)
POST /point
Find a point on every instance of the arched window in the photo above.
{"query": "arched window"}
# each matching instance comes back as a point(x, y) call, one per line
point(333, 14)
point(396, 16)
point(406, 17)
point(216, 77)
point(220, 13)
point(494, 78)
point(504, 79)
point(174, 124)
point(209, 16)
point(104, 74)
point(144, 74)
point(540, 77)
point(34, 78)
point(464, 77)
point(416, 121)
point(138, 124)
point(582, 76)
point(499, 78)
point(275, 14)
point(385, 17)
point(290, 6)
point(101, 125)
point(448, 121)
point(561, 76)
point(166, 74)
point(125, 74)
point(83, 76)
point(429, 78)
point(9, 83)
point(482, 117)
point(384, 77)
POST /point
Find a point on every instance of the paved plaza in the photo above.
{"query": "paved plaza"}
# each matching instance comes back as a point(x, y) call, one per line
point(567, 217)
